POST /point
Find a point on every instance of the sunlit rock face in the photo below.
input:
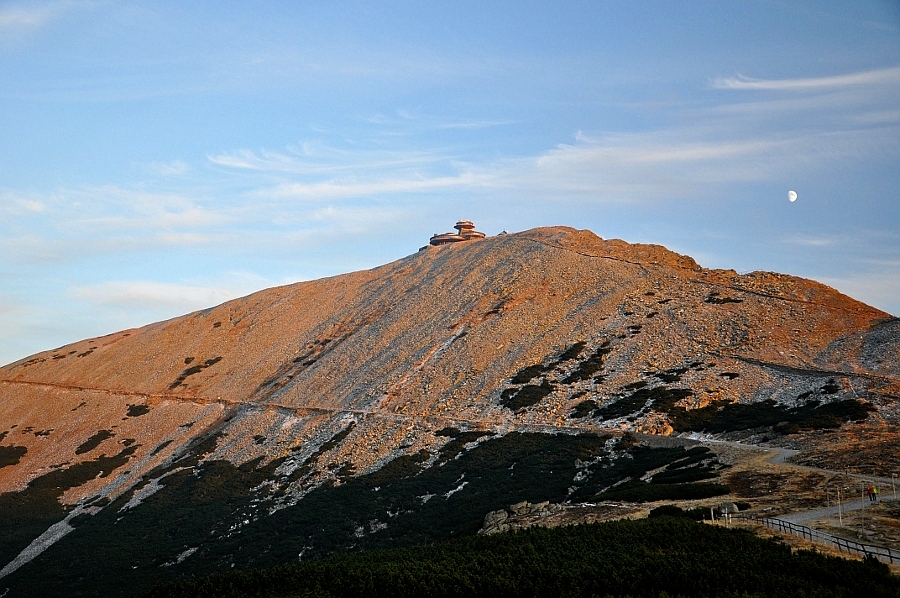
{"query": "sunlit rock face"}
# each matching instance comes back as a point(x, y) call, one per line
point(312, 385)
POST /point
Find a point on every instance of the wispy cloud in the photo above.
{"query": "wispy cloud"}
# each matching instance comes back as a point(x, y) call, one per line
point(172, 168)
point(408, 119)
point(187, 217)
point(71, 224)
point(27, 16)
point(675, 164)
point(878, 117)
point(476, 124)
point(331, 190)
point(14, 204)
point(142, 294)
point(888, 76)
point(313, 157)
point(671, 164)
point(11, 305)
point(17, 17)
point(811, 241)
point(119, 208)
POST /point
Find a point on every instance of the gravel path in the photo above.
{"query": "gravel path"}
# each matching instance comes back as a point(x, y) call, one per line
point(852, 503)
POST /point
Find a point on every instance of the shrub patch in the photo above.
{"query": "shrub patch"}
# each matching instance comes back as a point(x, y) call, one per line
point(93, 442)
point(194, 369)
point(137, 410)
point(10, 455)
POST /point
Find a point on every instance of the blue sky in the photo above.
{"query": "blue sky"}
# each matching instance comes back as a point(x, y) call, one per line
point(160, 157)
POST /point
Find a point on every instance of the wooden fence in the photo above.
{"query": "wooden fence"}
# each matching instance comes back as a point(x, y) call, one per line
point(842, 544)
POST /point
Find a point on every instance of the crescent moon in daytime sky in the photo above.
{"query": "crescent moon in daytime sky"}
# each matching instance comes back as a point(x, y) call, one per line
point(792, 195)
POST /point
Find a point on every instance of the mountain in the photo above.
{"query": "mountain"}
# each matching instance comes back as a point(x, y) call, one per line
point(400, 404)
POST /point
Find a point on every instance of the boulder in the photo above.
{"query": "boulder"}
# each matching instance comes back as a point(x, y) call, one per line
point(520, 508)
point(728, 508)
point(495, 518)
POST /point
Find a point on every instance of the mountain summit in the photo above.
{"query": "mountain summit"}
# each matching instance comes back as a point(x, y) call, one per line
point(538, 336)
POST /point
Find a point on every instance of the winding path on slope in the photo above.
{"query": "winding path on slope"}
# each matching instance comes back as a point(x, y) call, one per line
point(781, 456)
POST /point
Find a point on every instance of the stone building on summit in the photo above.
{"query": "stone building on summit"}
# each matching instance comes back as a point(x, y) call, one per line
point(465, 232)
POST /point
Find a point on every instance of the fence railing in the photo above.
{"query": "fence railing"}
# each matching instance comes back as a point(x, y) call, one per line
point(842, 544)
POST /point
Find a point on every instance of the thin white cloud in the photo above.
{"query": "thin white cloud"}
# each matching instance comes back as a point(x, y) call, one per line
point(657, 148)
point(331, 190)
point(410, 121)
point(881, 117)
point(893, 264)
point(811, 241)
point(676, 164)
point(18, 17)
point(142, 294)
point(888, 76)
point(672, 164)
point(173, 168)
point(25, 17)
point(476, 124)
point(116, 208)
point(72, 224)
point(316, 158)
point(11, 305)
point(14, 204)
point(49, 247)
point(188, 217)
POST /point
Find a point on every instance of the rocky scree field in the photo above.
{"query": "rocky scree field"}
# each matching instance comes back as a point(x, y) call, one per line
point(399, 405)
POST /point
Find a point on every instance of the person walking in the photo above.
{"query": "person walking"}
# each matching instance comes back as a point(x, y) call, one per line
point(869, 492)
point(874, 493)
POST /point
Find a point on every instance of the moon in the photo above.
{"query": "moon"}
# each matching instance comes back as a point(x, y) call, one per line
point(792, 196)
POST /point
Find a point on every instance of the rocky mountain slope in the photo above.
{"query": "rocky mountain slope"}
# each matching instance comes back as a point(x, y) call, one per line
point(518, 342)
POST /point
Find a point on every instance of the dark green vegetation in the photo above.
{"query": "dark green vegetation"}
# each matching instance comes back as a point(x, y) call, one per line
point(526, 396)
point(697, 514)
point(527, 374)
point(590, 366)
point(310, 355)
point(744, 416)
point(715, 299)
point(26, 514)
point(159, 447)
point(680, 468)
point(643, 492)
point(223, 510)
point(523, 395)
point(137, 410)
point(654, 557)
point(584, 408)
point(93, 442)
point(638, 398)
point(655, 393)
point(194, 369)
point(10, 455)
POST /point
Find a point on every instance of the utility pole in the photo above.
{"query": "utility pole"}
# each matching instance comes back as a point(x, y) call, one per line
point(862, 511)
point(840, 514)
point(893, 487)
